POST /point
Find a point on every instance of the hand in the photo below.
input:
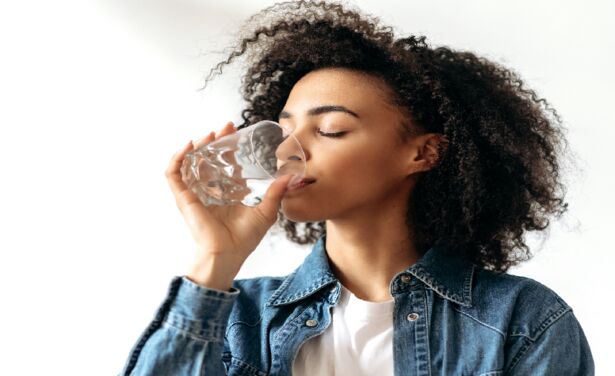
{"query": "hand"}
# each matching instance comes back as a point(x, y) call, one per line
point(228, 233)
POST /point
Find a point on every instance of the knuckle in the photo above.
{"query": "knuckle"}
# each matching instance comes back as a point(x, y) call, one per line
point(261, 217)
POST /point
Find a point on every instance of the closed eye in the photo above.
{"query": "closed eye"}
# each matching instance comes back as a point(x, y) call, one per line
point(331, 135)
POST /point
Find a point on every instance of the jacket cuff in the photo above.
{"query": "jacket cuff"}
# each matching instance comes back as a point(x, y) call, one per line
point(201, 311)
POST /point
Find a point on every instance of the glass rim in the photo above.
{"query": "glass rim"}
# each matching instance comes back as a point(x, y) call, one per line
point(261, 122)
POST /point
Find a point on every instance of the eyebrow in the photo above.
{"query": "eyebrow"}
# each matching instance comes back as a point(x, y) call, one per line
point(321, 110)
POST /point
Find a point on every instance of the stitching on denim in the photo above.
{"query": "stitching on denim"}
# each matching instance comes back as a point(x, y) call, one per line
point(467, 288)
point(301, 294)
point(196, 327)
point(438, 289)
point(244, 323)
point(480, 322)
point(184, 321)
point(544, 325)
point(427, 315)
point(520, 353)
point(491, 373)
point(210, 293)
point(167, 324)
point(288, 325)
point(515, 334)
point(549, 321)
point(280, 290)
point(291, 323)
point(315, 286)
point(161, 314)
point(243, 364)
point(219, 298)
point(529, 341)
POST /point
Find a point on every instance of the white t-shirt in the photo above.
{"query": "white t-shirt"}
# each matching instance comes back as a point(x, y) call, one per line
point(359, 341)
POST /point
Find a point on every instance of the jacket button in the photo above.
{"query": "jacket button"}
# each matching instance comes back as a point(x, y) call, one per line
point(311, 323)
point(405, 278)
point(413, 316)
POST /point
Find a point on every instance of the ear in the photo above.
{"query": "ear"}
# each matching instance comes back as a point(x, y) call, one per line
point(428, 151)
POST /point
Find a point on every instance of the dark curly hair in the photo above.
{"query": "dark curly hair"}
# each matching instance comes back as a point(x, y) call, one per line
point(499, 175)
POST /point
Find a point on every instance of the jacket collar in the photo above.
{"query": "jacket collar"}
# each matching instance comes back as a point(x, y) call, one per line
point(447, 274)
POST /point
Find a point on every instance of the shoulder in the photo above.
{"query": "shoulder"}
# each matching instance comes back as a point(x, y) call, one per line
point(542, 333)
point(516, 305)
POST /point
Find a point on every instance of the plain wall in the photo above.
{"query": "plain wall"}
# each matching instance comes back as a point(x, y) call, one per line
point(97, 96)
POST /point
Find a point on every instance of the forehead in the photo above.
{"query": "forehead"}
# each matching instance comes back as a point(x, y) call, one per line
point(344, 86)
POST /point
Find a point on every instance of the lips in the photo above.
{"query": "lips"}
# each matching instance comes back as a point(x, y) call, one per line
point(302, 183)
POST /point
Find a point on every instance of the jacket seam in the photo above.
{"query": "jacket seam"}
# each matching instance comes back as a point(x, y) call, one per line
point(230, 325)
point(439, 289)
point(209, 292)
point(290, 321)
point(280, 289)
point(302, 294)
point(544, 325)
point(542, 329)
point(156, 323)
point(188, 333)
point(481, 323)
point(427, 321)
point(247, 365)
point(260, 317)
point(467, 291)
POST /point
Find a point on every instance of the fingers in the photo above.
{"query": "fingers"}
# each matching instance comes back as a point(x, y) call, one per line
point(273, 197)
point(205, 140)
point(227, 129)
point(173, 173)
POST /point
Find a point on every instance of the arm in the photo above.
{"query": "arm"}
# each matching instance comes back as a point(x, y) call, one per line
point(186, 336)
point(561, 350)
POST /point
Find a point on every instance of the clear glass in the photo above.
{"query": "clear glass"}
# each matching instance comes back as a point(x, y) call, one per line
point(239, 167)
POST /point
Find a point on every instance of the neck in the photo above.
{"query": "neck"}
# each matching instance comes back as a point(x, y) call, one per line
point(366, 252)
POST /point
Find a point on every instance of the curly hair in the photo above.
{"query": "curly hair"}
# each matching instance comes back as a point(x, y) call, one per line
point(500, 172)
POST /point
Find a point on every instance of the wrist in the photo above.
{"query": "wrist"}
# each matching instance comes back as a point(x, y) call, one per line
point(212, 273)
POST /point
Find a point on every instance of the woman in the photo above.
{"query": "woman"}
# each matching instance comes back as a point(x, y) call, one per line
point(428, 164)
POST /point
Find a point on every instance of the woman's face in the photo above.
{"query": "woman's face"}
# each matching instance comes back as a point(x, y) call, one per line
point(359, 171)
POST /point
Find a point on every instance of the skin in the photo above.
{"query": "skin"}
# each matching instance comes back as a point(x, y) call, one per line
point(364, 178)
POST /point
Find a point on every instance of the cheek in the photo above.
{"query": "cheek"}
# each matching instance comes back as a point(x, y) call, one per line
point(357, 166)
point(337, 189)
point(347, 178)
point(333, 198)
point(358, 183)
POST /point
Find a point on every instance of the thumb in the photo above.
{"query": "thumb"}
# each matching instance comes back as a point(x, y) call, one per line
point(273, 196)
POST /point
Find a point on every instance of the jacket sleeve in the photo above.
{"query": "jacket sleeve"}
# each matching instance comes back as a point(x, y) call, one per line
point(561, 349)
point(186, 336)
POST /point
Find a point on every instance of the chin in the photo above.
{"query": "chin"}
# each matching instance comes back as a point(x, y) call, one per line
point(300, 213)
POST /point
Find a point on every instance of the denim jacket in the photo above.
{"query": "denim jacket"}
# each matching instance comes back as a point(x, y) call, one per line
point(450, 318)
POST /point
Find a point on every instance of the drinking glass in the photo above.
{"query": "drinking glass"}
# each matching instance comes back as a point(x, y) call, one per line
point(239, 167)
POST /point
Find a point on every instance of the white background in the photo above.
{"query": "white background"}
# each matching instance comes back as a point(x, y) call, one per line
point(96, 97)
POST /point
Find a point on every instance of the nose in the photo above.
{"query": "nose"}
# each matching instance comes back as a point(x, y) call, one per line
point(290, 151)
